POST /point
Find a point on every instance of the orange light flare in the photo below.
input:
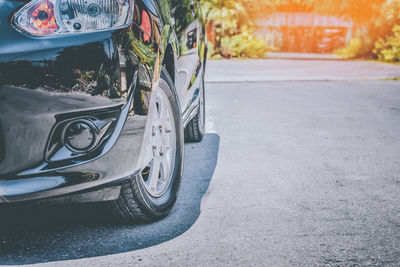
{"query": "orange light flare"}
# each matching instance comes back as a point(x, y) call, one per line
point(42, 19)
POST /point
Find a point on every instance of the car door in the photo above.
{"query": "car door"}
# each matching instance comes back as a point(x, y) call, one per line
point(188, 26)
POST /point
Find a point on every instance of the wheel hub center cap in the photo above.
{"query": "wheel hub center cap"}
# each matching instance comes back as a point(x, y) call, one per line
point(158, 140)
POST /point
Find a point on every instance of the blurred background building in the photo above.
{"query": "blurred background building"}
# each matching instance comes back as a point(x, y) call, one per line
point(304, 32)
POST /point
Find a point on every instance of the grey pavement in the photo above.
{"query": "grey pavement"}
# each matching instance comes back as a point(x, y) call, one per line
point(278, 70)
point(302, 56)
point(291, 173)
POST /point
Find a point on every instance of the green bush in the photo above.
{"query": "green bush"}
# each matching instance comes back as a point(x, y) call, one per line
point(379, 39)
point(232, 28)
point(244, 45)
point(352, 50)
point(388, 49)
point(387, 45)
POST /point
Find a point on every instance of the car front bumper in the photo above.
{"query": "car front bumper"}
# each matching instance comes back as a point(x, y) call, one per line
point(45, 83)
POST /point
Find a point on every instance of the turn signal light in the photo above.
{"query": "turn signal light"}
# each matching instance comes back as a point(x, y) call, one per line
point(51, 17)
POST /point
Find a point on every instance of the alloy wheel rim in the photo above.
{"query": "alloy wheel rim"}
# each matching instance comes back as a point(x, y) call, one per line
point(161, 148)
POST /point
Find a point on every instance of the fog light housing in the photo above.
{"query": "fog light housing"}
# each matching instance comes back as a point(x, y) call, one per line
point(80, 136)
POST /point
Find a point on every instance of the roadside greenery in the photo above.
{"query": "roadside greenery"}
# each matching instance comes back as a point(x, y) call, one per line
point(387, 44)
point(233, 30)
point(353, 50)
point(376, 25)
point(388, 49)
point(379, 37)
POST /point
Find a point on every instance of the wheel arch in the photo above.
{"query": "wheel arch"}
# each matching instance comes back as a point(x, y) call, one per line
point(169, 62)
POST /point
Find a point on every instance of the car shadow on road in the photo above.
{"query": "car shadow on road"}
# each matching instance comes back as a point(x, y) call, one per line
point(44, 233)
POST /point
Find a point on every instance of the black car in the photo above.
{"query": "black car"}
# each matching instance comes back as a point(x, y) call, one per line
point(97, 98)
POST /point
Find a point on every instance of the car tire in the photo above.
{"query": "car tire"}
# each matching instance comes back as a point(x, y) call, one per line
point(195, 130)
point(137, 202)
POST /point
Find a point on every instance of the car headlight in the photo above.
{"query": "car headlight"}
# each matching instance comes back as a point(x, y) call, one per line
point(54, 17)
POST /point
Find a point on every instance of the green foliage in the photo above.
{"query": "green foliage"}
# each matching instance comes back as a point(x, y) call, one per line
point(211, 52)
point(227, 13)
point(245, 45)
point(380, 39)
point(233, 29)
point(352, 50)
point(388, 49)
point(242, 45)
point(358, 47)
point(376, 33)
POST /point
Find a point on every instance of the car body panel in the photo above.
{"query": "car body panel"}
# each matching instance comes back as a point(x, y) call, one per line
point(106, 76)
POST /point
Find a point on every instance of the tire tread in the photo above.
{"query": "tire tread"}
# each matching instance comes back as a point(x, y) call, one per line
point(127, 208)
point(192, 130)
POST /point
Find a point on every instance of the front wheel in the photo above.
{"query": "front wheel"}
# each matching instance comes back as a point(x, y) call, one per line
point(151, 194)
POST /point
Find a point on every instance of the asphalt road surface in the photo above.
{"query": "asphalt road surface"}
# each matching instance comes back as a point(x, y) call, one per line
point(300, 166)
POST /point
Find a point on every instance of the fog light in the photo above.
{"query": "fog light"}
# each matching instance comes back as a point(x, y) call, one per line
point(80, 136)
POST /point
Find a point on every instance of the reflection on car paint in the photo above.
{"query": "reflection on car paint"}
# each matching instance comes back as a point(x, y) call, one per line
point(105, 75)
